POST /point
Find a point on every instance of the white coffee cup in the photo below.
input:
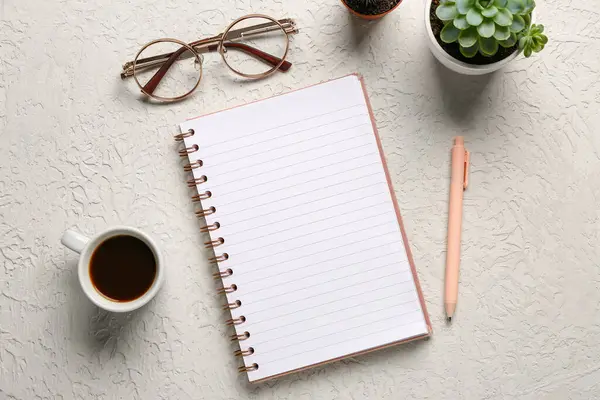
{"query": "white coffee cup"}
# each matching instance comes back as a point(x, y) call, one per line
point(86, 246)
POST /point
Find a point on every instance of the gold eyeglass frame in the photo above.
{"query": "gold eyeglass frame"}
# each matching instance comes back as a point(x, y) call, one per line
point(221, 41)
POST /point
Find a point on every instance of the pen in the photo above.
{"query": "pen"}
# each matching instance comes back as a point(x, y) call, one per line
point(458, 183)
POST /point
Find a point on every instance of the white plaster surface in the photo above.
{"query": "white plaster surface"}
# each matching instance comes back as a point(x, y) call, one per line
point(77, 148)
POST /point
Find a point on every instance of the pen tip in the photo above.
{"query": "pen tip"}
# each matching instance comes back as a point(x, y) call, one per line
point(449, 319)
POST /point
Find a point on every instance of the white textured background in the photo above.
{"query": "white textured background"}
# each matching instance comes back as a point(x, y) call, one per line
point(78, 149)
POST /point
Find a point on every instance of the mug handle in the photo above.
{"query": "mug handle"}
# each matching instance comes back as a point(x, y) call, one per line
point(74, 240)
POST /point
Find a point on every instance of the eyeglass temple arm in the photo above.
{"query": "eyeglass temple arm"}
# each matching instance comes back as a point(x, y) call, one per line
point(152, 84)
point(256, 53)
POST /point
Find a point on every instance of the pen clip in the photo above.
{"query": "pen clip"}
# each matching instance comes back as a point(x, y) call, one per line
point(466, 171)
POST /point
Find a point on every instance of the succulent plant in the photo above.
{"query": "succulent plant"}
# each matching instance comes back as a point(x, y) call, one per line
point(485, 25)
point(532, 39)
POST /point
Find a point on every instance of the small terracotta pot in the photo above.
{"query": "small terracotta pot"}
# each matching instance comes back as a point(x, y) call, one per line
point(371, 17)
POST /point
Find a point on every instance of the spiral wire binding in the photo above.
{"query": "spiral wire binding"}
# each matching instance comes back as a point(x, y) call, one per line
point(189, 150)
point(193, 183)
point(210, 228)
point(223, 274)
point(214, 243)
point(191, 166)
point(244, 353)
point(236, 337)
point(235, 321)
point(208, 211)
point(183, 135)
point(203, 196)
point(252, 367)
point(218, 259)
point(231, 306)
point(197, 181)
point(227, 289)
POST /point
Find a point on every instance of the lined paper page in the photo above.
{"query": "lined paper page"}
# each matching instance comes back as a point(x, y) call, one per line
point(310, 228)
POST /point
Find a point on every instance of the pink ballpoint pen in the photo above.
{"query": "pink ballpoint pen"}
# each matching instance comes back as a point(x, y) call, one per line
point(458, 183)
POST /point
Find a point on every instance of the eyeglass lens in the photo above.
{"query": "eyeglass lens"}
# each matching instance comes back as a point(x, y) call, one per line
point(179, 79)
point(250, 42)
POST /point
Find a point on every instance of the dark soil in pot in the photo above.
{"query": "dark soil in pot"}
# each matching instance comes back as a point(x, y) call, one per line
point(378, 7)
point(453, 49)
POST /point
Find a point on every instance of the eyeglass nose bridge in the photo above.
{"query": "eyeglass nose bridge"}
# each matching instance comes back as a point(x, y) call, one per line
point(198, 65)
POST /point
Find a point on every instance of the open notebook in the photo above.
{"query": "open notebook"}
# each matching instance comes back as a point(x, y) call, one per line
point(307, 234)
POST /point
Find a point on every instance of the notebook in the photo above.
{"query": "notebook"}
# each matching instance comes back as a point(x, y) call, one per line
point(310, 250)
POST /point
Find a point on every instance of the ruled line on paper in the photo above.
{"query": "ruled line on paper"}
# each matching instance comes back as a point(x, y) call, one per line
point(332, 259)
point(325, 261)
point(296, 269)
point(321, 283)
point(254, 216)
point(295, 154)
point(258, 155)
point(308, 255)
point(310, 223)
point(328, 323)
point(312, 233)
point(328, 292)
point(289, 197)
point(286, 177)
point(287, 124)
point(294, 133)
point(348, 339)
point(270, 309)
point(296, 184)
point(324, 314)
point(255, 176)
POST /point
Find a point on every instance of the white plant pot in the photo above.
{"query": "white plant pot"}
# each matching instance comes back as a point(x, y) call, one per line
point(457, 65)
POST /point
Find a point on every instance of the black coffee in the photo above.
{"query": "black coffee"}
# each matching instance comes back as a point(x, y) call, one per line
point(123, 268)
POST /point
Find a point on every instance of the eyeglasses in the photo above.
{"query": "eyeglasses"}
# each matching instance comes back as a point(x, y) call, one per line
point(254, 46)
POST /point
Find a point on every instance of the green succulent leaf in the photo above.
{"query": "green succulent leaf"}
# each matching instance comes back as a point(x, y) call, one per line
point(490, 11)
point(461, 22)
point(468, 37)
point(488, 46)
point(502, 33)
point(450, 33)
point(500, 3)
point(538, 44)
point(487, 28)
point(518, 24)
point(516, 6)
point(510, 42)
point(478, 5)
point(503, 18)
point(474, 18)
point(529, 6)
point(523, 42)
point(464, 6)
point(469, 52)
point(446, 12)
point(528, 51)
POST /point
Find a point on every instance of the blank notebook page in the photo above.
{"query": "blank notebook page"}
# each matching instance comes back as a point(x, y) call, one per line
point(309, 223)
